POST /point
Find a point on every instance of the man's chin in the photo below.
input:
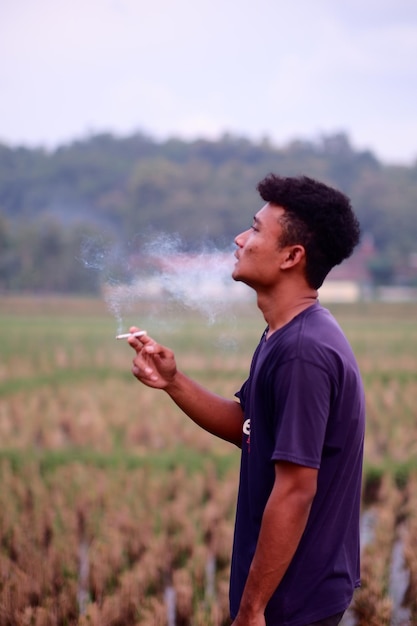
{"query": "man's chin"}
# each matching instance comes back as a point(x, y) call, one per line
point(235, 276)
point(238, 278)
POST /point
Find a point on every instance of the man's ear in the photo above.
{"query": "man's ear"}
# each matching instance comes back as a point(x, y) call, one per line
point(293, 256)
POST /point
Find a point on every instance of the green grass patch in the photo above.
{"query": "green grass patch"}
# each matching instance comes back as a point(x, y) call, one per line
point(163, 461)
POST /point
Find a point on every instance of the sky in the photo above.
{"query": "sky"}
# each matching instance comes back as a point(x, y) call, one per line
point(284, 70)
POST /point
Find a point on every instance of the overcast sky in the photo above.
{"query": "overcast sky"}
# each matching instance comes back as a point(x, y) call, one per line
point(284, 69)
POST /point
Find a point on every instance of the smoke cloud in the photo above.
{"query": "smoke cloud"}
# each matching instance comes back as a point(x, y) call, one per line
point(161, 270)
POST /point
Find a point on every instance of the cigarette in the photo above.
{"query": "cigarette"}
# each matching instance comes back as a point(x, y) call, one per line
point(139, 333)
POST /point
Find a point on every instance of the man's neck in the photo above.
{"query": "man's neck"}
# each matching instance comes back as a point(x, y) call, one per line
point(281, 307)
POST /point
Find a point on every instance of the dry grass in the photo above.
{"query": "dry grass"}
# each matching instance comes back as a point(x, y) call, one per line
point(110, 497)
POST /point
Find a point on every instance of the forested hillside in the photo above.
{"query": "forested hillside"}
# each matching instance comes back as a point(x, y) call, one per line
point(118, 189)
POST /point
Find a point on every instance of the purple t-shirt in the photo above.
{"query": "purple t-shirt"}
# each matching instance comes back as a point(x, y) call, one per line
point(303, 402)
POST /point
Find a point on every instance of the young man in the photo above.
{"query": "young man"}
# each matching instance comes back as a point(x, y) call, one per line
point(299, 420)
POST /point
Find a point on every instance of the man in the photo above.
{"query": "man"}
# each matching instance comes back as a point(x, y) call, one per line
point(299, 420)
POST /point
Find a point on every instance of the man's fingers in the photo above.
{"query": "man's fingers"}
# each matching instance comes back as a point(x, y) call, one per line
point(153, 363)
point(138, 342)
point(148, 346)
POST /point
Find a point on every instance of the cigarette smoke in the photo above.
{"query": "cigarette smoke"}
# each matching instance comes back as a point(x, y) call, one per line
point(159, 269)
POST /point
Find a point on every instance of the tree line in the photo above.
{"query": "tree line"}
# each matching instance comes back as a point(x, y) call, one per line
point(118, 190)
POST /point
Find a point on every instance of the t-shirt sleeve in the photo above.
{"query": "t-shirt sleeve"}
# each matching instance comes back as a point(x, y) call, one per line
point(302, 396)
point(241, 394)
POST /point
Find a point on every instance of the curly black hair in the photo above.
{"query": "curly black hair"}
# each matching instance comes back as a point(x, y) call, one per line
point(317, 217)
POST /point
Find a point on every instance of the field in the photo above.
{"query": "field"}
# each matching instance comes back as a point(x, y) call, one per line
point(116, 510)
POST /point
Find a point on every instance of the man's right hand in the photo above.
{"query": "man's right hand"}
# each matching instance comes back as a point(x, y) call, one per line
point(154, 365)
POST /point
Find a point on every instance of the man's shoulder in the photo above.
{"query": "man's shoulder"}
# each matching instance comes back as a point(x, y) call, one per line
point(312, 325)
point(314, 335)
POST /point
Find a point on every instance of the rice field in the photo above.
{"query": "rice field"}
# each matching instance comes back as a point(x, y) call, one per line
point(116, 510)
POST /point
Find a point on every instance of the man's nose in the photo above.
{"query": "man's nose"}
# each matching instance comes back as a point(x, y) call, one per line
point(240, 239)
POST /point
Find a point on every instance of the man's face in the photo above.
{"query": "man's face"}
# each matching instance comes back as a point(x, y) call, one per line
point(259, 254)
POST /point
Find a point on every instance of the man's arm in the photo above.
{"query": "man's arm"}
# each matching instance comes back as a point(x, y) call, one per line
point(155, 366)
point(283, 523)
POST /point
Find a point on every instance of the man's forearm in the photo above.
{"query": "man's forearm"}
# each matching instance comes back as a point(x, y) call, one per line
point(217, 415)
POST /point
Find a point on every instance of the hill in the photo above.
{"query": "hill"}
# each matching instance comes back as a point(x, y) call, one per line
point(110, 194)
